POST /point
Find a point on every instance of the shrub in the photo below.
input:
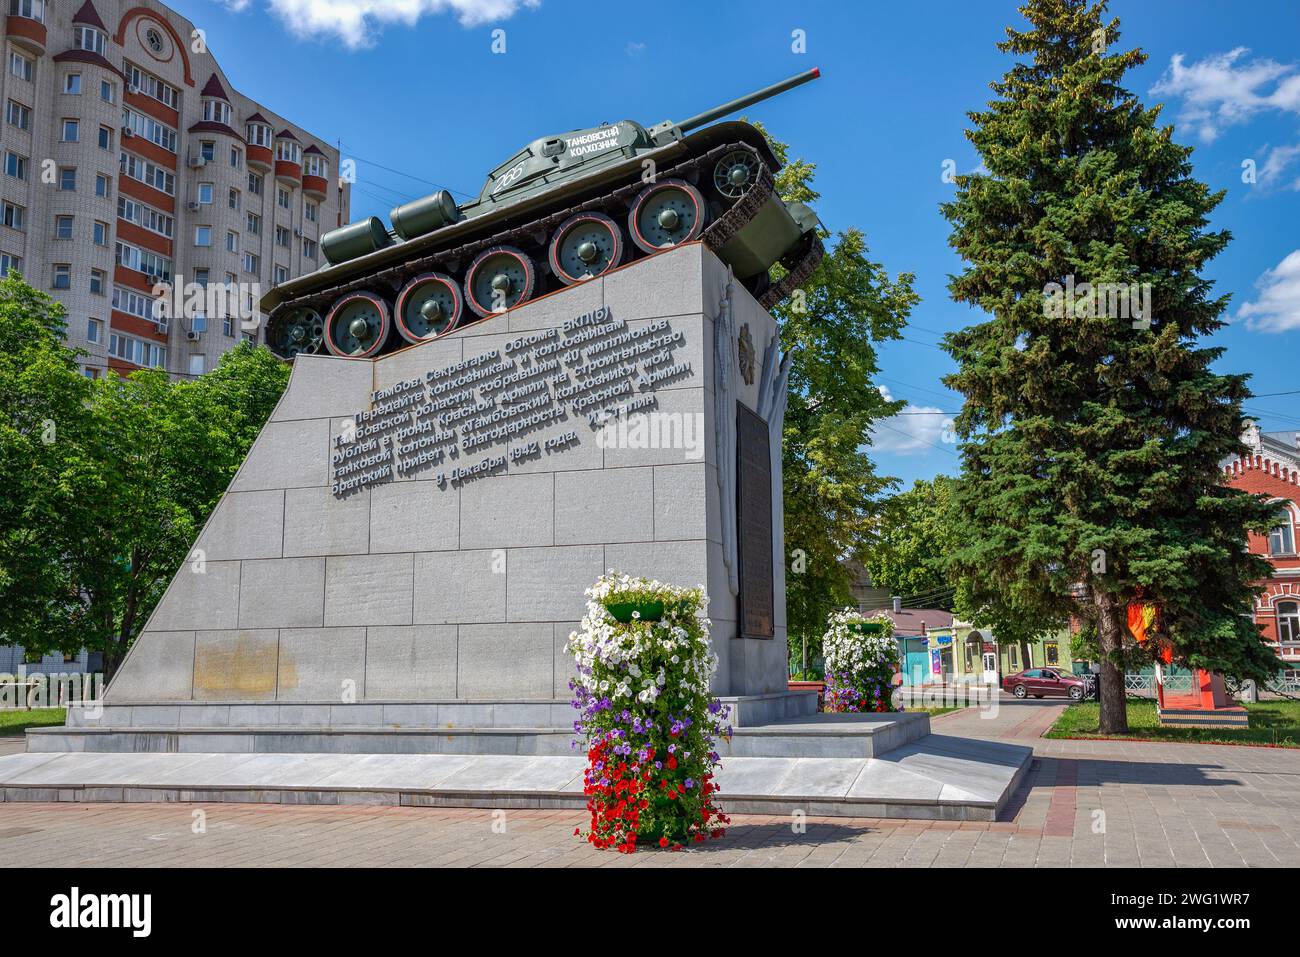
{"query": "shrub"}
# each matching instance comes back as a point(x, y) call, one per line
point(860, 663)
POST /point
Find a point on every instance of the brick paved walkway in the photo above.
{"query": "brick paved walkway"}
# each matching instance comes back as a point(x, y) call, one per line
point(1085, 803)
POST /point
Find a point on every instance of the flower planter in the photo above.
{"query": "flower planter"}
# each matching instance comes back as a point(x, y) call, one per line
point(625, 612)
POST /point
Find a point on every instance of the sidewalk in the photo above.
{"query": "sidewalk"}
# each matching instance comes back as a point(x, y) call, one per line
point(1084, 804)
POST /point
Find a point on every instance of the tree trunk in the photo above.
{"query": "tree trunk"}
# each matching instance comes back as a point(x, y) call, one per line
point(1110, 687)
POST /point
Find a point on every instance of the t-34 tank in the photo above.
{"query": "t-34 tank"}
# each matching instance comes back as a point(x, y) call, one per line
point(564, 209)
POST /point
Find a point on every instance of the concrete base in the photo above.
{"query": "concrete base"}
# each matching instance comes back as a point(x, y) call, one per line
point(934, 778)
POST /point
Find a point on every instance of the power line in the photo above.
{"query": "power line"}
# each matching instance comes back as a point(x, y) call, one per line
point(418, 179)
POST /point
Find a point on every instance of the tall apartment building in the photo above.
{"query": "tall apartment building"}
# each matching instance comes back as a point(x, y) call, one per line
point(130, 160)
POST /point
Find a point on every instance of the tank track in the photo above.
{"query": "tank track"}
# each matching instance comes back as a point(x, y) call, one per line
point(799, 264)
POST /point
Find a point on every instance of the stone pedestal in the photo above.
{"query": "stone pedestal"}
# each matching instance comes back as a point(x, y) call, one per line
point(458, 575)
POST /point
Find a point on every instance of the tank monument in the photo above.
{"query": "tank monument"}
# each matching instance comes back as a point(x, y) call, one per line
point(491, 405)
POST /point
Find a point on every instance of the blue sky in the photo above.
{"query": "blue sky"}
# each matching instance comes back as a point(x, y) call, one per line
point(414, 85)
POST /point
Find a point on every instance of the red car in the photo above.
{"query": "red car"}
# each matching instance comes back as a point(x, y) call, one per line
point(1039, 682)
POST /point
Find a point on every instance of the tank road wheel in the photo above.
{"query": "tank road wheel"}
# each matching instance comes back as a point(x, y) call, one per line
point(499, 279)
point(428, 306)
point(585, 246)
point(295, 331)
point(666, 214)
point(357, 326)
point(735, 173)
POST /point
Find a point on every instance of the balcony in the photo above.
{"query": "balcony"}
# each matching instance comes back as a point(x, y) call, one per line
point(25, 32)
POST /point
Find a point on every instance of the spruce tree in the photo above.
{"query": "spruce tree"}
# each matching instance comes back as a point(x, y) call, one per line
point(1091, 439)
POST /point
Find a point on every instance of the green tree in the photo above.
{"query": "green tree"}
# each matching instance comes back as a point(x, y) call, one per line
point(1091, 442)
point(45, 422)
point(912, 540)
point(849, 304)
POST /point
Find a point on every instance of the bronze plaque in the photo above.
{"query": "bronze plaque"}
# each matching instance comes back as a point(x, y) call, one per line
point(754, 525)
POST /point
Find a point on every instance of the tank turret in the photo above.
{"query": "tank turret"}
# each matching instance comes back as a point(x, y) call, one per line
point(563, 209)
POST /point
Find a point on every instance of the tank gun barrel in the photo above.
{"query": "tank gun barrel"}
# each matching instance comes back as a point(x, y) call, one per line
point(708, 116)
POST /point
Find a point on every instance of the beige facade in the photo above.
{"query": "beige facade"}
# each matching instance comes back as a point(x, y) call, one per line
point(129, 161)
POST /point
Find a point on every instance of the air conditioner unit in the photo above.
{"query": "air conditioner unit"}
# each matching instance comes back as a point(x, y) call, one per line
point(297, 232)
point(194, 335)
point(198, 162)
point(127, 132)
point(192, 207)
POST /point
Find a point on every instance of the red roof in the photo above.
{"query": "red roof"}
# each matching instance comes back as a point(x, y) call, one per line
point(209, 126)
point(313, 149)
point(257, 118)
point(89, 15)
point(914, 621)
point(286, 135)
point(214, 88)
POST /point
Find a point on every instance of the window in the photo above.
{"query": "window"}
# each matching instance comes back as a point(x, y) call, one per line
point(228, 327)
point(62, 276)
point(72, 83)
point(106, 138)
point(232, 242)
point(101, 184)
point(1281, 540)
point(255, 184)
point(233, 201)
point(18, 115)
point(282, 237)
point(288, 151)
point(254, 224)
point(282, 197)
point(71, 131)
point(149, 173)
point(30, 9)
point(94, 330)
point(142, 260)
point(100, 234)
point(281, 275)
point(205, 194)
point(1288, 622)
point(1053, 651)
point(134, 211)
point(62, 227)
point(97, 277)
point(8, 262)
point(20, 66)
point(141, 81)
point(236, 157)
point(137, 351)
point(259, 135)
point(107, 91)
point(315, 165)
point(252, 263)
point(133, 303)
point(15, 165)
point(196, 364)
point(216, 111)
point(14, 215)
point(88, 38)
point(208, 150)
point(202, 235)
point(67, 178)
point(146, 126)
point(309, 248)
point(201, 278)
point(310, 212)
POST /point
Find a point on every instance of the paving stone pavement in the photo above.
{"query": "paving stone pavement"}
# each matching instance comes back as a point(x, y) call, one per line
point(1084, 804)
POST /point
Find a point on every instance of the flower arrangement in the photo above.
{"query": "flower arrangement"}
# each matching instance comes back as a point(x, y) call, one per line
point(861, 658)
point(647, 714)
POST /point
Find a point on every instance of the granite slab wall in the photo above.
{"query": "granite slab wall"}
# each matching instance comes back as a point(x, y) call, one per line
point(414, 589)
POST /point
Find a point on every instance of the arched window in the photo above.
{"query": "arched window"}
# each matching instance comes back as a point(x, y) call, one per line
point(1281, 540)
point(1288, 622)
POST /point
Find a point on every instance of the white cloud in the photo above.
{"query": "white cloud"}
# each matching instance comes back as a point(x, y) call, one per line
point(1225, 89)
point(1276, 164)
point(1277, 309)
point(356, 22)
point(914, 431)
point(635, 48)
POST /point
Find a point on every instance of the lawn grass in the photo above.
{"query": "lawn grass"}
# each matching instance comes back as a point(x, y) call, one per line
point(17, 722)
point(1271, 722)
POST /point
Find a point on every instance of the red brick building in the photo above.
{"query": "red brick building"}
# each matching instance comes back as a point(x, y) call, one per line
point(1272, 467)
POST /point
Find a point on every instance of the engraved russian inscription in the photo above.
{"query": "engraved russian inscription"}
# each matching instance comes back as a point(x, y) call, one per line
point(754, 525)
